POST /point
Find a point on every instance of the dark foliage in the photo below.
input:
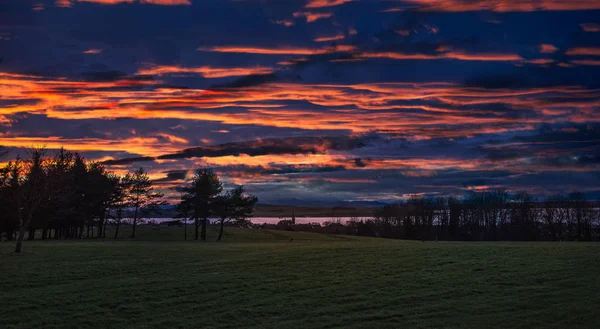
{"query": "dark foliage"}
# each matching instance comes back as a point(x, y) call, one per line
point(485, 216)
point(65, 197)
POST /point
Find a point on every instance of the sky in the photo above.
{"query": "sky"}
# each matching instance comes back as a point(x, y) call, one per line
point(315, 101)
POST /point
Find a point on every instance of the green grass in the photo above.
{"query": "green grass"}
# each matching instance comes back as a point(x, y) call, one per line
point(264, 279)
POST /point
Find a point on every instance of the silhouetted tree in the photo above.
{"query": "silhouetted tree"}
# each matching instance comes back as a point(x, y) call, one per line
point(30, 186)
point(141, 195)
point(183, 211)
point(234, 205)
point(199, 198)
point(119, 201)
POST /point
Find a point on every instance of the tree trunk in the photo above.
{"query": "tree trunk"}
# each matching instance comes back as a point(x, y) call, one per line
point(119, 217)
point(21, 235)
point(100, 225)
point(196, 232)
point(185, 228)
point(31, 235)
point(44, 233)
point(117, 229)
point(221, 229)
point(104, 229)
point(134, 222)
point(203, 233)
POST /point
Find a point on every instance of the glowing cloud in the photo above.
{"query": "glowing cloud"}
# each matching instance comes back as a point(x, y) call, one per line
point(69, 3)
point(583, 51)
point(93, 51)
point(449, 55)
point(325, 3)
point(136, 145)
point(547, 48)
point(311, 17)
point(205, 71)
point(167, 2)
point(108, 2)
point(591, 62)
point(276, 51)
point(331, 38)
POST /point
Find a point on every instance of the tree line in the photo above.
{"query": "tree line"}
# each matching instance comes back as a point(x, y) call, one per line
point(485, 216)
point(66, 197)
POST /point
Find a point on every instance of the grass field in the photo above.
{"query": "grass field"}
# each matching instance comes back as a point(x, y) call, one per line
point(279, 279)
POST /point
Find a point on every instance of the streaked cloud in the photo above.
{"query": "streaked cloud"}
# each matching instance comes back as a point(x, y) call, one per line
point(593, 62)
point(336, 37)
point(457, 55)
point(70, 3)
point(93, 51)
point(205, 71)
point(167, 2)
point(583, 51)
point(277, 51)
point(346, 100)
point(136, 145)
point(547, 48)
point(325, 3)
point(312, 17)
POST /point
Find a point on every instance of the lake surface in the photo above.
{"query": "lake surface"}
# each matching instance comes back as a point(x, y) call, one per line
point(262, 220)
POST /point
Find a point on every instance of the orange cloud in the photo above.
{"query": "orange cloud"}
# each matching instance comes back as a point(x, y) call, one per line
point(93, 51)
point(541, 61)
point(325, 3)
point(389, 108)
point(277, 51)
point(591, 51)
point(331, 38)
point(591, 62)
point(311, 17)
point(63, 3)
point(449, 55)
point(590, 27)
point(167, 2)
point(173, 138)
point(108, 2)
point(148, 146)
point(69, 3)
point(547, 48)
point(350, 180)
point(205, 71)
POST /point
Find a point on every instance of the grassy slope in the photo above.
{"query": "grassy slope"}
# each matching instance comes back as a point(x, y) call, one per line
point(314, 281)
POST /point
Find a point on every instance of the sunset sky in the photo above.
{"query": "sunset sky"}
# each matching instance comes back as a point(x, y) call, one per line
point(318, 101)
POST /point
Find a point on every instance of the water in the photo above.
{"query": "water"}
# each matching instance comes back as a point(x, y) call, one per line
point(262, 220)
